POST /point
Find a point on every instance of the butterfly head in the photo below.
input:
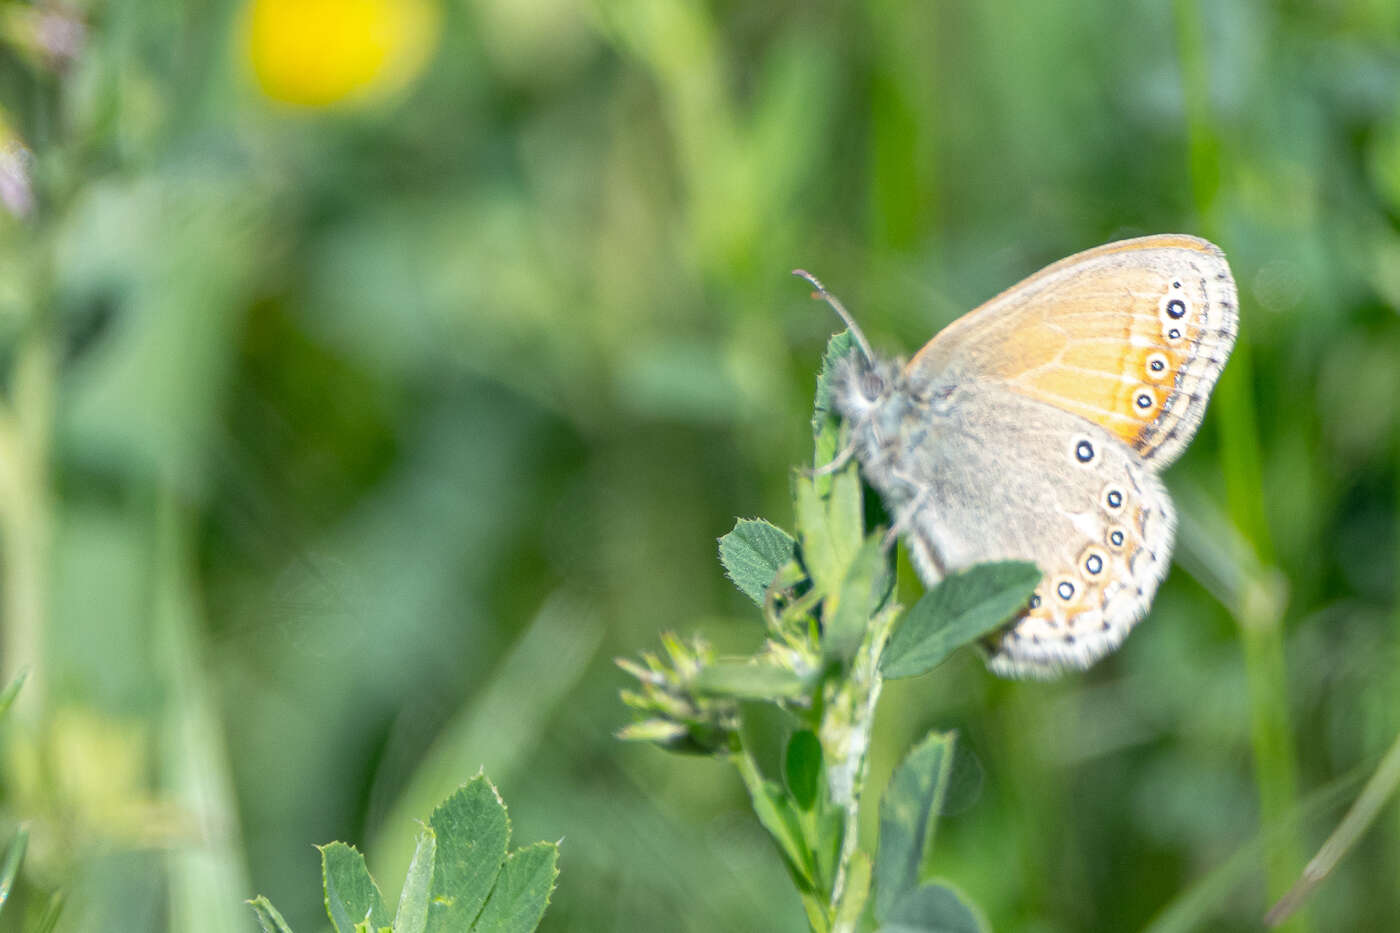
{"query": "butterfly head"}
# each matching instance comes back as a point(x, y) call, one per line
point(862, 387)
point(886, 408)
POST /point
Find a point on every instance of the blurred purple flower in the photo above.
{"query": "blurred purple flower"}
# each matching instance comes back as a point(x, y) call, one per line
point(16, 190)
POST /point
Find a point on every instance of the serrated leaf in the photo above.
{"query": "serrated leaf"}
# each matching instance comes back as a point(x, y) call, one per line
point(472, 834)
point(268, 917)
point(351, 894)
point(838, 346)
point(745, 679)
point(933, 908)
point(802, 768)
point(412, 916)
point(849, 613)
point(908, 813)
point(752, 553)
point(522, 890)
point(962, 608)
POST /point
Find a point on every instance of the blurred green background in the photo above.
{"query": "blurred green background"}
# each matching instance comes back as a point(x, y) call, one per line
point(375, 372)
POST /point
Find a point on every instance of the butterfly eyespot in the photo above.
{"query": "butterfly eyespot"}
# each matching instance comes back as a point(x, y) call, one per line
point(1084, 451)
point(1144, 400)
point(1035, 601)
point(1156, 363)
point(1065, 590)
point(1116, 537)
point(1176, 285)
point(1174, 334)
point(1176, 309)
point(1093, 563)
point(1113, 499)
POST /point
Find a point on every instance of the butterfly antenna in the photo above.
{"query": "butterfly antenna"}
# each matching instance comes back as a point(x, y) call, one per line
point(840, 310)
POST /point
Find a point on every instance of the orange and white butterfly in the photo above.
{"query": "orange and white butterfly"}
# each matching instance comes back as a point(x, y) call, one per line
point(1034, 427)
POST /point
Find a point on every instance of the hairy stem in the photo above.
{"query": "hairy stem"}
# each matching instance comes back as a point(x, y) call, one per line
point(845, 735)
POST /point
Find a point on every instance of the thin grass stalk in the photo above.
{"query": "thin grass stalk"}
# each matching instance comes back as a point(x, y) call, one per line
point(1258, 615)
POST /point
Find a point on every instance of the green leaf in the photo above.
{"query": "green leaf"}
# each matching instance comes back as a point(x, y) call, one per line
point(933, 908)
point(766, 729)
point(959, 610)
point(908, 813)
point(830, 834)
point(268, 917)
point(802, 768)
point(54, 910)
point(522, 890)
point(775, 812)
point(472, 833)
point(351, 894)
point(964, 783)
point(845, 512)
point(7, 698)
point(819, 554)
point(412, 916)
point(830, 525)
point(859, 597)
point(13, 856)
point(838, 346)
point(661, 731)
point(748, 679)
point(752, 554)
point(826, 424)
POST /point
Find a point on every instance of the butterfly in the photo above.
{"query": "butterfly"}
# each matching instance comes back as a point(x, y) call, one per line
point(1034, 428)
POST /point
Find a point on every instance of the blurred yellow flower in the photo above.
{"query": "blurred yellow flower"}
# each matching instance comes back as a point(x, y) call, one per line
point(316, 53)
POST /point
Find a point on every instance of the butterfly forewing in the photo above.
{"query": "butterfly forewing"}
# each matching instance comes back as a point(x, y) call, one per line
point(1131, 336)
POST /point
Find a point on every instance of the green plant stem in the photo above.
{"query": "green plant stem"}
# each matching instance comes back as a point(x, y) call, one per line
point(847, 724)
point(817, 915)
point(1194, 907)
point(1363, 812)
point(207, 878)
point(845, 736)
point(25, 433)
point(1260, 609)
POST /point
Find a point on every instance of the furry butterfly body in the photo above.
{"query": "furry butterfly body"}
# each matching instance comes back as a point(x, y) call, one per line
point(1033, 428)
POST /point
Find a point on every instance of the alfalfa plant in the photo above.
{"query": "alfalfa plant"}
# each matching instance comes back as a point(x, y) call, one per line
point(796, 717)
point(461, 879)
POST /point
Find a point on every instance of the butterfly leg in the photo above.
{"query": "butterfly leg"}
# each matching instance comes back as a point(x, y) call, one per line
point(843, 457)
point(930, 568)
point(905, 519)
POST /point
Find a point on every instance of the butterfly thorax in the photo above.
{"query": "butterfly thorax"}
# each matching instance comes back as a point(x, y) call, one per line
point(890, 413)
